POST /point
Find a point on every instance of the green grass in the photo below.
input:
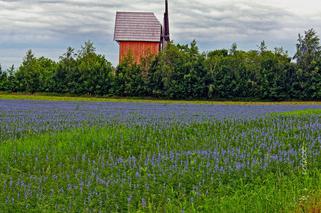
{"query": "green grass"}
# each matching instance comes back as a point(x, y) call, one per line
point(302, 113)
point(156, 169)
point(51, 97)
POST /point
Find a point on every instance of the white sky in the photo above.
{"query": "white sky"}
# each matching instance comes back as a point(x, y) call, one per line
point(50, 26)
point(307, 7)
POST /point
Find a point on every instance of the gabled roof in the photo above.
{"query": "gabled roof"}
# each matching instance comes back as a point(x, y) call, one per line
point(137, 26)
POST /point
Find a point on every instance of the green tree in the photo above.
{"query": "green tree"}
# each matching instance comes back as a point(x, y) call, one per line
point(308, 50)
point(233, 49)
point(3, 80)
point(35, 74)
point(273, 76)
point(95, 74)
point(27, 76)
point(262, 47)
point(65, 73)
point(87, 49)
point(231, 75)
point(11, 76)
point(308, 58)
point(83, 73)
point(179, 72)
point(129, 79)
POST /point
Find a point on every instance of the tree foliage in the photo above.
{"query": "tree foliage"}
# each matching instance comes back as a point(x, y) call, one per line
point(308, 58)
point(178, 72)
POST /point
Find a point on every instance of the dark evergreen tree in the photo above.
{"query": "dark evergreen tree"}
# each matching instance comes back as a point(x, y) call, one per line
point(308, 58)
point(3, 80)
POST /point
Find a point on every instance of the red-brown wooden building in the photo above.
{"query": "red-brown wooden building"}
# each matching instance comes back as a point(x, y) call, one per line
point(140, 34)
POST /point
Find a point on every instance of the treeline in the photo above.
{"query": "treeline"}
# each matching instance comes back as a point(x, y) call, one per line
point(179, 72)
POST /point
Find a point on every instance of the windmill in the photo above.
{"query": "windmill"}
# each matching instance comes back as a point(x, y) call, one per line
point(141, 34)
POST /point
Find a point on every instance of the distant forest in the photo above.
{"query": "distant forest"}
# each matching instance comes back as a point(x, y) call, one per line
point(178, 72)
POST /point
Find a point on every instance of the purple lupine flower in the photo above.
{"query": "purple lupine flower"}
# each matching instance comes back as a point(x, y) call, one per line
point(144, 204)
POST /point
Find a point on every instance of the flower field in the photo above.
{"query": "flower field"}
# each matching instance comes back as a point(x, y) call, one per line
point(141, 157)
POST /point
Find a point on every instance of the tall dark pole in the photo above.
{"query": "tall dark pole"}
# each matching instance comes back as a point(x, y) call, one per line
point(166, 35)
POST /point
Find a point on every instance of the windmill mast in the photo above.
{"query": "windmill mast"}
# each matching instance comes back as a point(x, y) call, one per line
point(165, 34)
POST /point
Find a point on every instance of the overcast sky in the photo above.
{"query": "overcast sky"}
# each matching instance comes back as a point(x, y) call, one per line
point(48, 27)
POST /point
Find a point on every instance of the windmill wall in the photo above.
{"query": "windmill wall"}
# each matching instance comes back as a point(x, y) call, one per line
point(137, 49)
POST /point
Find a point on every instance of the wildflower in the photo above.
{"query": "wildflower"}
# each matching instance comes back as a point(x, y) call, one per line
point(129, 199)
point(144, 205)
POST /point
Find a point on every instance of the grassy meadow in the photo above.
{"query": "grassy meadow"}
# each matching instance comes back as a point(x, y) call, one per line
point(59, 97)
point(266, 164)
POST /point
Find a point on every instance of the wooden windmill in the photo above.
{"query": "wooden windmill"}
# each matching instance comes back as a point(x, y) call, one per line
point(141, 34)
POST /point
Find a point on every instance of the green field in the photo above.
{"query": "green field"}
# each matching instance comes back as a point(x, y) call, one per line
point(263, 165)
point(50, 97)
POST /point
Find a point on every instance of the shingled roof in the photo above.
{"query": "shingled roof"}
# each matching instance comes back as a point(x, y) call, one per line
point(137, 26)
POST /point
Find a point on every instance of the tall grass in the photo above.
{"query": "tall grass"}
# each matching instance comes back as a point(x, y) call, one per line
point(264, 165)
